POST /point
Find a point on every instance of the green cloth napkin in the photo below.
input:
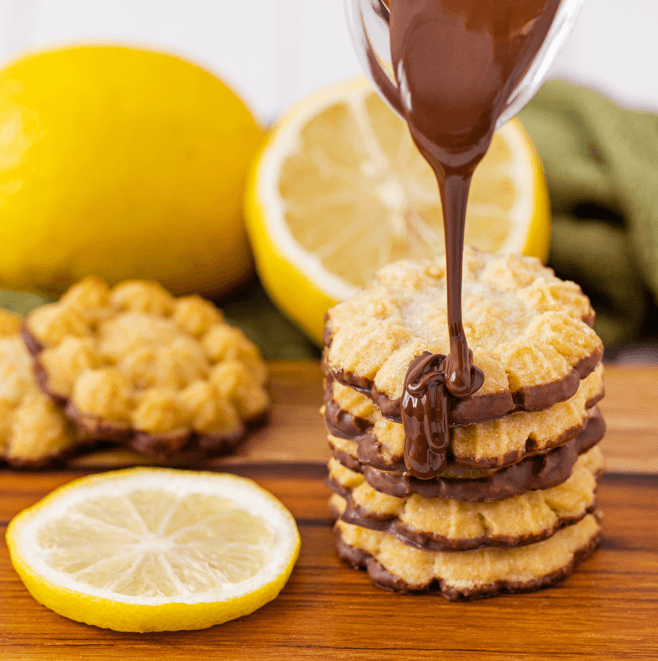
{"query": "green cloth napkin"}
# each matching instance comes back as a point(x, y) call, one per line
point(251, 309)
point(601, 164)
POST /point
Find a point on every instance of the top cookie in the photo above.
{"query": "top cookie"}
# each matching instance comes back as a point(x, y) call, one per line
point(134, 363)
point(529, 332)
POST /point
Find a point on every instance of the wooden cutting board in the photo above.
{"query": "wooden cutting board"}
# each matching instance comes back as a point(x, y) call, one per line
point(608, 609)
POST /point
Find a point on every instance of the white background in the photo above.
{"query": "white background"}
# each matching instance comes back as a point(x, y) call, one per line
point(274, 51)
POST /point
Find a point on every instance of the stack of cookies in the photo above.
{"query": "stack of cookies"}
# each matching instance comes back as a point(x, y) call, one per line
point(515, 507)
point(129, 365)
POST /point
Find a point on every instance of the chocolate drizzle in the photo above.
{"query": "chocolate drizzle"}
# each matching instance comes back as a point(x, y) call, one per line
point(425, 413)
point(456, 63)
point(425, 416)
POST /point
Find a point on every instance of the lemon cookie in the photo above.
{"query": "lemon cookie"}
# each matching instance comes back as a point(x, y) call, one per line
point(529, 332)
point(538, 471)
point(166, 376)
point(380, 442)
point(467, 574)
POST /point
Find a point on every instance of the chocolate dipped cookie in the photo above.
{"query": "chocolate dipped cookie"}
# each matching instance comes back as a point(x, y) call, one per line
point(448, 524)
point(467, 574)
point(529, 333)
point(537, 471)
point(132, 364)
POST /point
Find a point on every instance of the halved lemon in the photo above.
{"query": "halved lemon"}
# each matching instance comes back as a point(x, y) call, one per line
point(150, 549)
point(339, 190)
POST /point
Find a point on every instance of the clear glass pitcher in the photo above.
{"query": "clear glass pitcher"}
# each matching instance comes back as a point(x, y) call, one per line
point(368, 25)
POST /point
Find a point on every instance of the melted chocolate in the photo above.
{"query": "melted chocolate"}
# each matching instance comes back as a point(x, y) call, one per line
point(456, 63)
point(425, 413)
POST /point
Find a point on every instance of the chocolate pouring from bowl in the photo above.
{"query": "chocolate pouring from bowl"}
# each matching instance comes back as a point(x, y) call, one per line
point(456, 64)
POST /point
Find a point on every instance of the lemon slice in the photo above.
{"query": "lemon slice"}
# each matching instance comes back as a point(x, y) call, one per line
point(155, 549)
point(339, 190)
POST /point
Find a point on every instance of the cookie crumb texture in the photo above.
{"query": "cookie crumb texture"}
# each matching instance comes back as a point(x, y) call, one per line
point(133, 363)
point(33, 431)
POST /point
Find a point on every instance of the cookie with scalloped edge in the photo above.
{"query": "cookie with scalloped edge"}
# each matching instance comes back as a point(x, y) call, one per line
point(165, 376)
point(33, 431)
point(529, 332)
point(538, 471)
point(444, 524)
point(467, 574)
point(380, 442)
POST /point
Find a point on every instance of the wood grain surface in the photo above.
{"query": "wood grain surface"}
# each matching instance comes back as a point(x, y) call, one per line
point(608, 609)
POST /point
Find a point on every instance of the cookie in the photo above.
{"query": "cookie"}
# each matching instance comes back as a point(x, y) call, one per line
point(529, 332)
point(33, 431)
point(503, 442)
point(444, 524)
point(539, 471)
point(467, 574)
point(165, 376)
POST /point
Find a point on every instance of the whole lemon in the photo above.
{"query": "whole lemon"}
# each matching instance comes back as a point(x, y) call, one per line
point(124, 163)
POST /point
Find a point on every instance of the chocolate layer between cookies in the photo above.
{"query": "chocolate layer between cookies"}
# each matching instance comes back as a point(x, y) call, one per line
point(449, 525)
point(539, 471)
point(482, 408)
point(494, 444)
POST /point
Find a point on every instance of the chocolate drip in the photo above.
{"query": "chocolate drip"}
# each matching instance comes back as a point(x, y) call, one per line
point(425, 416)
point(425, 413)
point(456, 63)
